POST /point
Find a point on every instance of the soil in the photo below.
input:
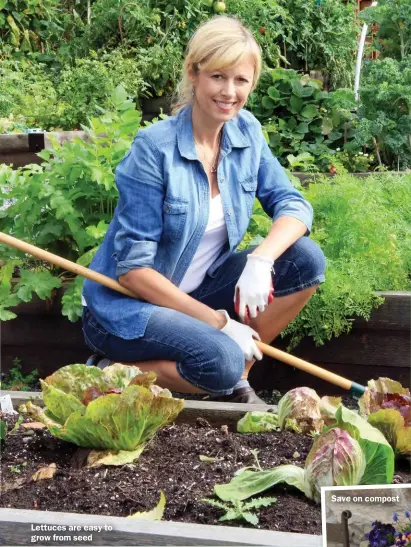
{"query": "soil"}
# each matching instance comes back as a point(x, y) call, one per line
point(171, 462)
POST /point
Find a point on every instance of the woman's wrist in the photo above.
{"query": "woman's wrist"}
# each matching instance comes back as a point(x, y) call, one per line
point(220, 319)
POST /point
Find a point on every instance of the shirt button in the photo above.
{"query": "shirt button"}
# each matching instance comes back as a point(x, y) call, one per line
point(230, 213)
point(222, 179)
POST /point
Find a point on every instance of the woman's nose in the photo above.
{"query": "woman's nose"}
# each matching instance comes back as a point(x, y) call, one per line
point(229, 88)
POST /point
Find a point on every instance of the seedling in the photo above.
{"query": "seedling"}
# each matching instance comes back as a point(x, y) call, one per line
point(18, 468)
point(236, 510)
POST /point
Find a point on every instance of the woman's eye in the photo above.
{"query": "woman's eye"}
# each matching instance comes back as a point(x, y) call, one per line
point(216, 76)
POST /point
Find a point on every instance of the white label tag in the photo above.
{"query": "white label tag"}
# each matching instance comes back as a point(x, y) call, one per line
point(7, 405)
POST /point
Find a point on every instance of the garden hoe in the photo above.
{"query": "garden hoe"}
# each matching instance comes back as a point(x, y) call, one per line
point(356, 389)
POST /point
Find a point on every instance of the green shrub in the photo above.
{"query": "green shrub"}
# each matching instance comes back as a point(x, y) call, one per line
point(385, 111)
point(302, 119)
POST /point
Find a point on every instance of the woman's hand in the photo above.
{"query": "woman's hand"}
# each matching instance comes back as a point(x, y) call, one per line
point(244, 336)
point(254, 289)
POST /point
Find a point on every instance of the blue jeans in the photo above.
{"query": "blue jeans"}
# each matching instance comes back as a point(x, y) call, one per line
point(206, 357)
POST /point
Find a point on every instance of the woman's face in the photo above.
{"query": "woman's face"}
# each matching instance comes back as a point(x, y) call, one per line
point(220, 94)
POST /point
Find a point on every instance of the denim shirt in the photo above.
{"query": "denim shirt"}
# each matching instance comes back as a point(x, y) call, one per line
point(163, 208)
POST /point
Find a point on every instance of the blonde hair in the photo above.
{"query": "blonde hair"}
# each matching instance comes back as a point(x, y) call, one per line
point(219, 43)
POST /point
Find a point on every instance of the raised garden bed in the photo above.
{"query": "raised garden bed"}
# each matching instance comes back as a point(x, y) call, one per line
point(21, 149)
point(171, 462)
point(42, 338)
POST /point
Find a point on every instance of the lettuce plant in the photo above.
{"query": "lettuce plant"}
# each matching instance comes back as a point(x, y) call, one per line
point(351, 453)
point(300, 410)
point(387, 406)
point(116, 410)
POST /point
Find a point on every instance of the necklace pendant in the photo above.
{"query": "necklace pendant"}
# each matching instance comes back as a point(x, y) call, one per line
point(213, 169)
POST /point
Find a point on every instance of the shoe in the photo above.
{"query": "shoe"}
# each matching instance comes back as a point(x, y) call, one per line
point(95, 360)
point(241, 395)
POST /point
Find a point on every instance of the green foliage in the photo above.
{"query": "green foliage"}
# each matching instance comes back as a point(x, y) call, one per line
point(27, 91)
point(392, 36)
point(269, 21)
point(67, 97)
point(385, 111)
point(63, 206)
point(363, 227)
point(323, 36)
point(29, 25)
point(15, 380)
point(237, 510)
point(300, 118)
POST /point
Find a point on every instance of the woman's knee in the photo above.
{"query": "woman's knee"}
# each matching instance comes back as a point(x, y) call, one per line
point(311, 258)
point(225, 367)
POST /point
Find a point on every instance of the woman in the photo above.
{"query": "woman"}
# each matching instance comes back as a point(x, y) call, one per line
point(186, 193)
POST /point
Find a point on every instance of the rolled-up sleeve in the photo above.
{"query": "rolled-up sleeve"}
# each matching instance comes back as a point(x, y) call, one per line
point(277, 195)
point(141, 195)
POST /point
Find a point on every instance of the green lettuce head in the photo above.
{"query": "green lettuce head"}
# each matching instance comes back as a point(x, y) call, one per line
point(118, 408)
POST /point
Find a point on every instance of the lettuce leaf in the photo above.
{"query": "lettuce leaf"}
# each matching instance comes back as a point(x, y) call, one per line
point(258, 422)
point(378, 453)
point(248, 483)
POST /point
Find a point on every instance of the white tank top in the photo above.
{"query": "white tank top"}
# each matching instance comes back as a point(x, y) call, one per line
point(213, 240)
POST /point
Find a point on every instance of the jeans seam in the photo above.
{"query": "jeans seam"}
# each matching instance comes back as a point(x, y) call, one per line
point(291, 290)
point(216, 290)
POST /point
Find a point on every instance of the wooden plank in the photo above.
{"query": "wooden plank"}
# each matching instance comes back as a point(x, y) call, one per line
point(19, 159)
point(360, 347)
point(16, 528)
point(42, 330)
point(45, 359)
point(393, 314)
point(19, 142)
point(216, 413)
point(14, 142)
point(283, 378)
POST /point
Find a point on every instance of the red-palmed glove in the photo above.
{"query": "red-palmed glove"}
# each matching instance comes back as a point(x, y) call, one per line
point(254, 290)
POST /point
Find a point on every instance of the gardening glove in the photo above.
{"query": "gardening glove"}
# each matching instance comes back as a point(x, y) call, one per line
point(254, 290)
point(244, 336)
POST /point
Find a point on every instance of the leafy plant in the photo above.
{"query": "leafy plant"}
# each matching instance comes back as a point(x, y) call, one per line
point(302, 410)
point(18, 468)
point(63, 205)
point(387, 406)
point(303, 123)
point(258, 422)
point(349, 453)
point(237, 509)
point(392, 27)
point(115, 410)
point(322, 36)
point(29, 25)
point(364, 231)
point(385, 111)
point(15, 380)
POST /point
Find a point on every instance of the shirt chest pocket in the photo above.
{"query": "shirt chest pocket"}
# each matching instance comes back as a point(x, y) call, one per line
point(248, 189)
point(174, 217)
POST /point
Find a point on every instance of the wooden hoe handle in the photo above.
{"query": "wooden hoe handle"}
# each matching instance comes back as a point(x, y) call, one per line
point(112, 284)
